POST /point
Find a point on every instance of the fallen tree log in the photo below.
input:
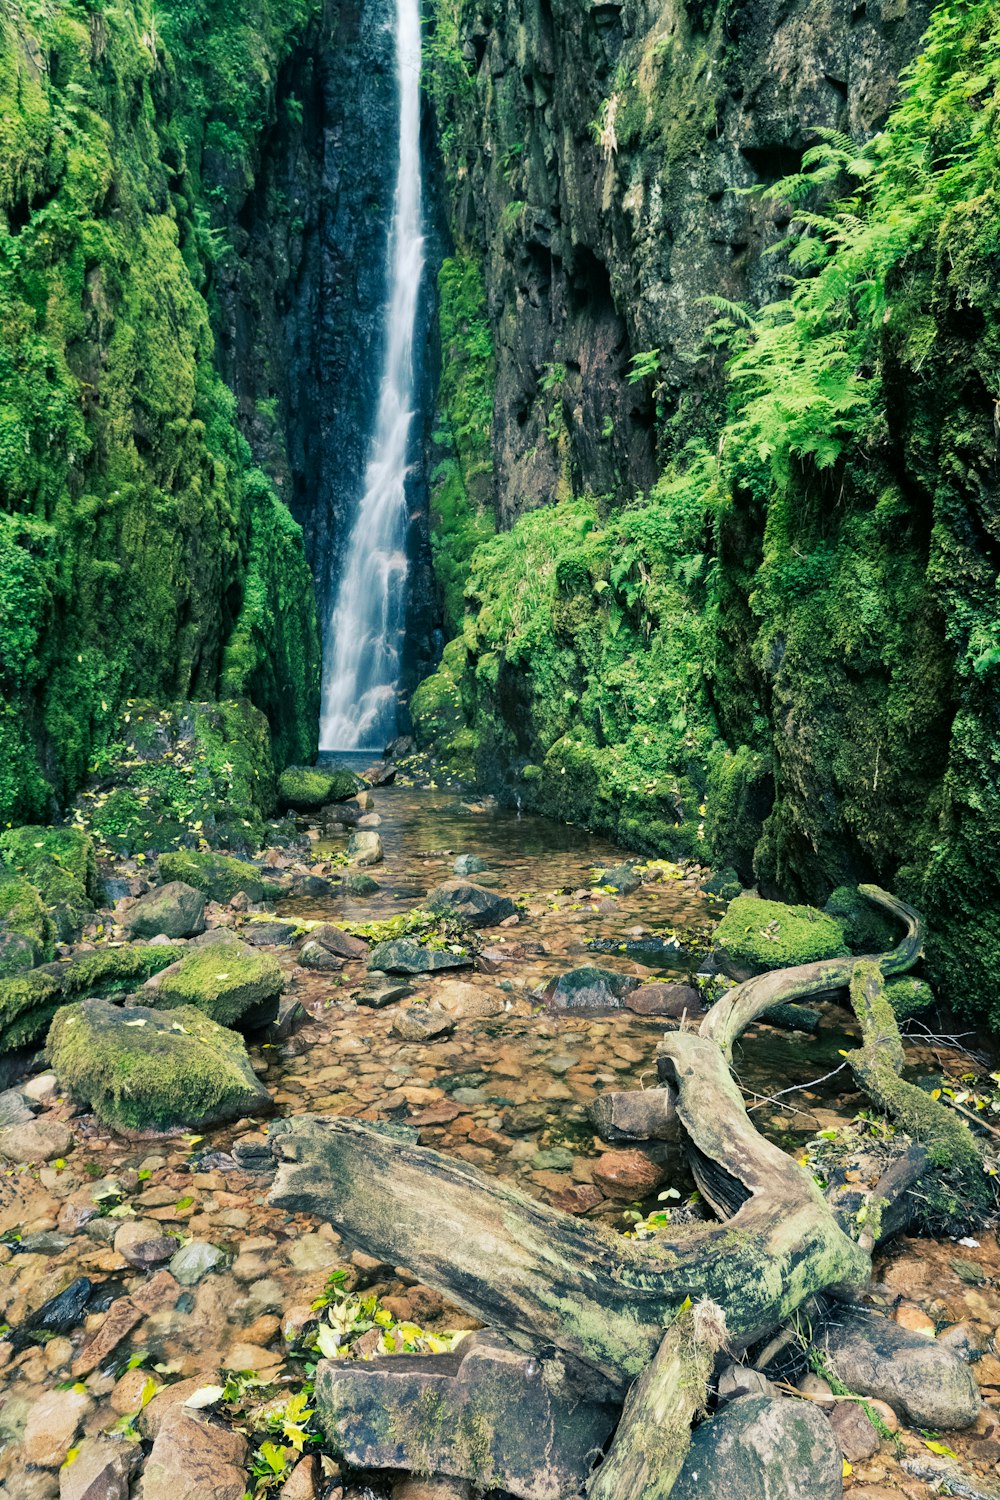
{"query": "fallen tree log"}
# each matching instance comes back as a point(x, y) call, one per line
point(654, 1433)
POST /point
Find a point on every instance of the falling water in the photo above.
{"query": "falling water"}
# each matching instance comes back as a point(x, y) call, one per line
point(364, 643)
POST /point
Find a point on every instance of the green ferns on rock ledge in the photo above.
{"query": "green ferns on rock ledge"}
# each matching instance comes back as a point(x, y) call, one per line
point(140, 551)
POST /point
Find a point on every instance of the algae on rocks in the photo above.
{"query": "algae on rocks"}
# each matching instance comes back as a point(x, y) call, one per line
point(757, 935)
point(232, 983)
point(29, 1001)
point(220, 877)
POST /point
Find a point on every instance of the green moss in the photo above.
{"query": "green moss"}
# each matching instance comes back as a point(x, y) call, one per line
point(462, 477)
point(138, 1068)
point(757, 935)
point(908, 996)
point(25, 929)
point(60, 863)
point(136, 538)
point(190, 772)
point(229, 982)
point(305, 788)
point(217, 876)
point(867, 929)
point(28, 1001)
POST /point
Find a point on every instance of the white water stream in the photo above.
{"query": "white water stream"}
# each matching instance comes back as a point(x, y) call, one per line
point(364, 641)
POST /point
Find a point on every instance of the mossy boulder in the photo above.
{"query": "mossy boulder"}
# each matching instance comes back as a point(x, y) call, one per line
point(908, 996)
point(29, 1001)
point(867, 929)
point(470, 903)
point(179, 774)
point(305, 788)
point(25, 928)
point(405, 956)
point(174, 910)
point(232, 983)
point(137, 1067)
point(757, 935)
point(218, 876)
point(60, 863)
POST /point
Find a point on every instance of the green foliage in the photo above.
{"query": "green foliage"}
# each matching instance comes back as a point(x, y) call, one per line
point(130, 513)
point(461, 482)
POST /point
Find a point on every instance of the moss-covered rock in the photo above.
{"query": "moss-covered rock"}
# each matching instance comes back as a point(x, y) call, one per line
point(867, 929)
point(25, 928)
point(232, 983)
point(60, 863)
point(305, 788)
point(136, 1067)
point(908, 996)
point(29, 1001)
point(757, 935)
point(187, 773)
point(217, 876)
point(175, 910)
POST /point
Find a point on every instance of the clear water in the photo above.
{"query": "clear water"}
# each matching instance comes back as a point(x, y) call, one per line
point(365, 633)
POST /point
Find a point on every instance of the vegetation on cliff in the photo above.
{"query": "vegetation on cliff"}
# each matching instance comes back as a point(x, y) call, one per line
point(797, 622)
point(141, 553)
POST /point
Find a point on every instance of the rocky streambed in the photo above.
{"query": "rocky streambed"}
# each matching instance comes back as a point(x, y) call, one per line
point(164, 1321)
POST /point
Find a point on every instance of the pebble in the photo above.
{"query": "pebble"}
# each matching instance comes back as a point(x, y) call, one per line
point(195, 1260)
point(627, 1175)
point(36, 1141)
point(52, 1424)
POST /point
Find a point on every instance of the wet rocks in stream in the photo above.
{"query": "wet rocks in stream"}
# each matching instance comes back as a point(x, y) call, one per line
point(589, 988)
point(472, 904)
point(174, 910)
point(406, 956)
point(230, 981)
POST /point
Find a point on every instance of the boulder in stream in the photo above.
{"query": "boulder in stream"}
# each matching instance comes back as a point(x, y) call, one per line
point(762, 1448)
point(306, 788)
point(472, 904)
point(589, 988)
point(174, 910)
point(488, 1412)
point(136, 1067)
point(231, 982)
point(406, 956)
point(925, 1383)
point(218, 876)
point(364, 848)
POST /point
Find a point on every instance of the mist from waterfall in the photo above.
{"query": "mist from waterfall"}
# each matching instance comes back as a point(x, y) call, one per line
point(364, 640)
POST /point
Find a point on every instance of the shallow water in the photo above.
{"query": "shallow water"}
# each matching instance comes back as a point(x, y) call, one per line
point(506, 1091)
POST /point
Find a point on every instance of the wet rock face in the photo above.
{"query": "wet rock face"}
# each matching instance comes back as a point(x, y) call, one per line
point(600, 163)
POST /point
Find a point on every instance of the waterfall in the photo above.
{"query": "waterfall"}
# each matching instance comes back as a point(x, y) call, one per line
point(363, 644)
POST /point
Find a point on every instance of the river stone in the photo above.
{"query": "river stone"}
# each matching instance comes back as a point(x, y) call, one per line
point(469, 864)
point(270, 933)
point(364, 848)
point(307, 788)
point(623, 877)
point(663, 1000)
point(404, 956)
point(628, 1175)
point(137, 1067)
point(357, 883)
point(15, 1108)
point(928, 1385)
point(422, 1023)
point(472, 904)
point(377, 996)
point(101, 1470)
point(488, 1412)
point(36, 1141)
point(143, 1244)
point(337, 941)
point(194, 1459)
point(52, 1424)
point(314, 956)
point(231, 982)
point(589, 988)
point(218, 876)
point(634, 1115)
point(762, 1448)
point(195, 1260)
point(175, 910)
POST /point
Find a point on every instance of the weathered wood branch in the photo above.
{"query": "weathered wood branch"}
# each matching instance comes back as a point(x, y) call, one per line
point(654, 1434)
